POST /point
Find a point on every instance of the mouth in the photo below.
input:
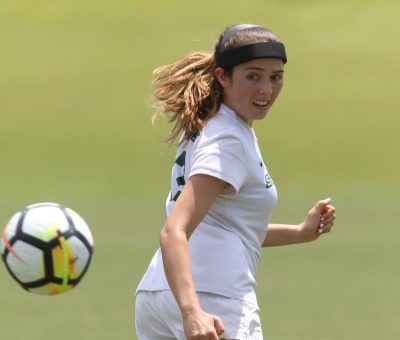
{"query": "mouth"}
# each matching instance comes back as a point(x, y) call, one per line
point(262, 104)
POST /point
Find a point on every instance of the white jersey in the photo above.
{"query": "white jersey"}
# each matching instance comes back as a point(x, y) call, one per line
point(225, 247)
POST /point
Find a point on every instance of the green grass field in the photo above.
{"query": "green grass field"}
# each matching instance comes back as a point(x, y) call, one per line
point(75, 129)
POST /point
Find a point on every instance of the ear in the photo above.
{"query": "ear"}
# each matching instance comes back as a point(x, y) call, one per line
point(222, 77)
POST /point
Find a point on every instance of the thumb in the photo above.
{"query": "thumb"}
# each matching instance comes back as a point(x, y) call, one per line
point(219, 326)
point(321, 205)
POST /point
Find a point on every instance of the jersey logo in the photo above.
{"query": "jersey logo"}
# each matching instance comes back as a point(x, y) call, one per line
point(268, 181)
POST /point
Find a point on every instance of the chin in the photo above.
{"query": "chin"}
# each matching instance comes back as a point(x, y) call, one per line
point(260, 115)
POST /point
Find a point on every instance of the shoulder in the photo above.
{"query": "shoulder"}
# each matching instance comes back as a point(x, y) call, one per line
point(225, 124)
point(222, 131)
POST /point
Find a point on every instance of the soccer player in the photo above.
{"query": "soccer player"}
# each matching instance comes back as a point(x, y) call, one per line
point(201, 282)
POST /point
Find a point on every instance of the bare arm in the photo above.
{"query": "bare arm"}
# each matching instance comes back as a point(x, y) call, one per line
point(193, 204)
point(320, 220)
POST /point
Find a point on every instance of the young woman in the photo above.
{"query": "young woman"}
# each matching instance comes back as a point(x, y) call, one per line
point(201, 282)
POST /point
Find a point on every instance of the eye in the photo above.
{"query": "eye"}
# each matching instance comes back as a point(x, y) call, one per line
point(252, 76)
point(277, 77)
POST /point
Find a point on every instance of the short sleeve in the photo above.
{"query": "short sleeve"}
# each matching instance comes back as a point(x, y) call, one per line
point(221, 157)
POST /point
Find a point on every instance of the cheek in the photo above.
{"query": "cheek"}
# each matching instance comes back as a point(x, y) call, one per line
point(239, 94)
point(277, 89)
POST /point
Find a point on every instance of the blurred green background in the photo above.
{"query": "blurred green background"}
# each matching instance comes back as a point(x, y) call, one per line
point(75, 128)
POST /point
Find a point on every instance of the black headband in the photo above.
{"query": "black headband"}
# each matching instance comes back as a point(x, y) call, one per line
point(229, 57)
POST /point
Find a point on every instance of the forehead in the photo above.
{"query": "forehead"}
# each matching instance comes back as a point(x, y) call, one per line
point(262, 64)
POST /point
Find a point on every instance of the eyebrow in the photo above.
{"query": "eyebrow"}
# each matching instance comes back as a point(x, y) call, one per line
point(255, 68)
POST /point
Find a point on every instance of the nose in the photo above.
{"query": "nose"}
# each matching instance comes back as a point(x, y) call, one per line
point(266, 87)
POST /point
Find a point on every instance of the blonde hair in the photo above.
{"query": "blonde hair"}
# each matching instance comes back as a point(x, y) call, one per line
point(187, 91)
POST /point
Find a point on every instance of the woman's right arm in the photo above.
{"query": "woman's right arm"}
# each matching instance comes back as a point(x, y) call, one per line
point(193, 204)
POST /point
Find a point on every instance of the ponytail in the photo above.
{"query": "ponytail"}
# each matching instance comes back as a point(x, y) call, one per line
point(187, 93)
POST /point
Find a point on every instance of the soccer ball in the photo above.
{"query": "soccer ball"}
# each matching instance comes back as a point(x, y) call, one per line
point(47, 248)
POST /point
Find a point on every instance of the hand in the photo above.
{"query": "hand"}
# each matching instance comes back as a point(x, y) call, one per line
point(199, 325)
point(320, 220)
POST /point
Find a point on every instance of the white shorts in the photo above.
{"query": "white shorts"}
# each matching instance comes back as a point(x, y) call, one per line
point(157, 316)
